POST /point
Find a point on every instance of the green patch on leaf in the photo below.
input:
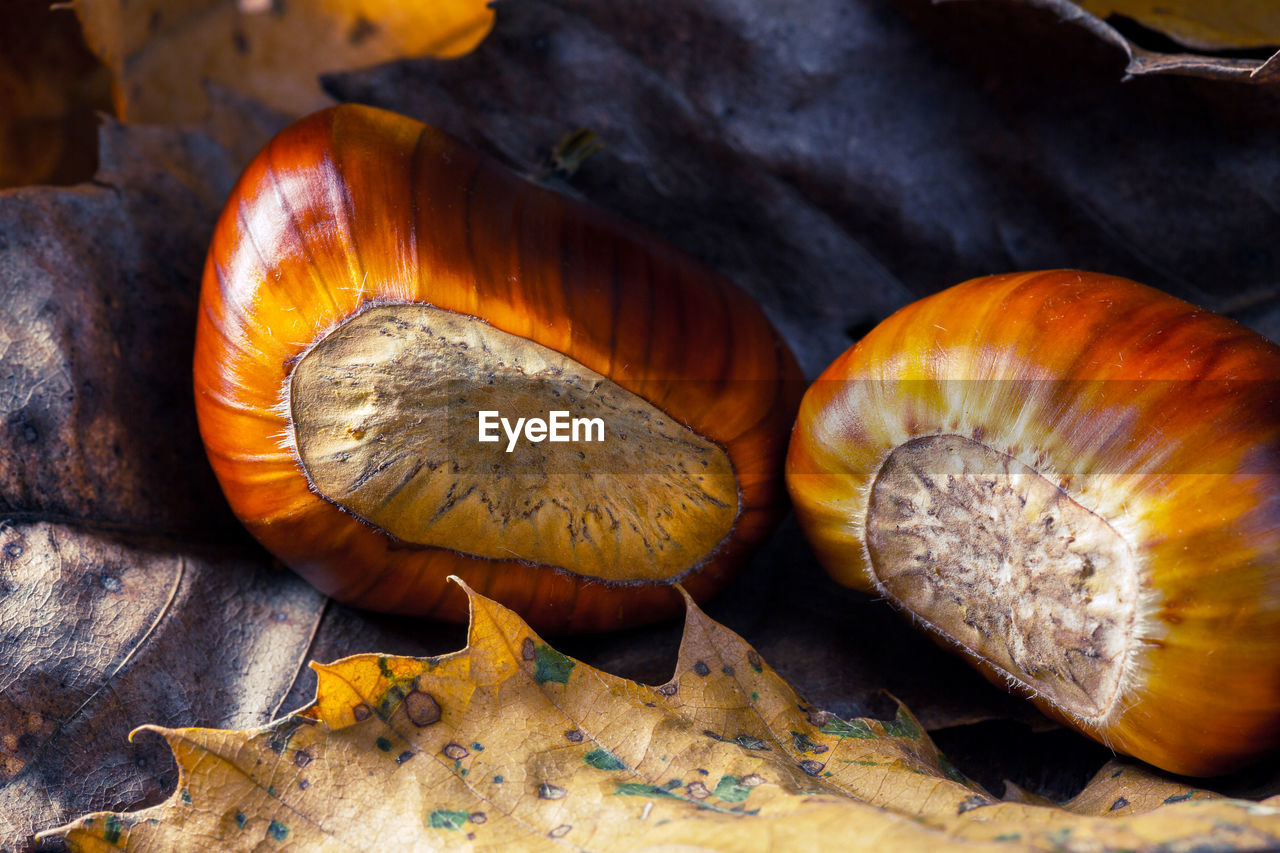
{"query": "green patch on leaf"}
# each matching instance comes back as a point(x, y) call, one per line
point(551, 665)
point(902, 726)
point(385, 669)
point(729, 790)
point(802, 742)
point(446, 819)
point(111, 829)
point(848, 728)
point(950, 770)
point(602, 759)
point(278, 830)
point(639, 789)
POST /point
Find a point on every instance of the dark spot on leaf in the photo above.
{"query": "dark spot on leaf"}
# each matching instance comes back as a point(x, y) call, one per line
point(547, 791)
point(753, 658)
point(404, 756)
point(384, 667)
point(241, 43)
point(813, 768)
point(282, 732)
point(560, 831)
point(602, 759)
point(303, 784)
point(667, 689)
point(13, 549)
point(110, 584)
point(361, 29)
point(361, 712)
point(745, 741)
point(498, 780)
point(971, 803)
point(1179, 798)
point(477, 746)
point(478, 817)
point(803, 743)
point(421, 708)
point(526, 649)
point(1117, 774)
point(278, 830)
point(1120, 803)
point(551, 666)
point(241, 820)
point(573, 735)
point(30, 433)
point(383, 744)
point(698, 790)
point(726, 669)
point(751, 780)
point(702, 669)
point(185, 796)
point(456, 751)
point(302, 758)
point(446, 819)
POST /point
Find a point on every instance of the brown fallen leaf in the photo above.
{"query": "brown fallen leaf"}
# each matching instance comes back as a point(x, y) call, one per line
point(510, 742)
point(1207, 26)
point(1236, 24)
point(51, 87)
point(162, 53)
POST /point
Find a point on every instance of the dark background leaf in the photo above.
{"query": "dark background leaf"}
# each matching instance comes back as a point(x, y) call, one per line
point(837, 160)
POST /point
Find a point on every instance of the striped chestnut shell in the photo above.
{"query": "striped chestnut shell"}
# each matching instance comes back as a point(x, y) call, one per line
point(374, 285)
point(1072, 480)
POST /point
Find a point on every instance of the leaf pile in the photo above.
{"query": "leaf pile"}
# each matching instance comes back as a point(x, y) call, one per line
point(511, 743)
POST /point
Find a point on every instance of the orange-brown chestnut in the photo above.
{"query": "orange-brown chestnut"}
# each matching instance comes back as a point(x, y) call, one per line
point(374, 286)
point(1074, 481)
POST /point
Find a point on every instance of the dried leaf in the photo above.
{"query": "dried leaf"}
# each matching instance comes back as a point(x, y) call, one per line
point(162, 53)
point(1207, 26)
point(1239, 24)
point(510, 742)
point(50, 89)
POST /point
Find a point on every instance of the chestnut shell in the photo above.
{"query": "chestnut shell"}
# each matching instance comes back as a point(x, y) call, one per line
point(355, 206)
point(1159, 420)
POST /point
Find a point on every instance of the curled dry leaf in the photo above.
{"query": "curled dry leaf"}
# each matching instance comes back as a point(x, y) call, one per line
point(1219, 26)
point(510, 742)
point(126, 590)
point(162, 53)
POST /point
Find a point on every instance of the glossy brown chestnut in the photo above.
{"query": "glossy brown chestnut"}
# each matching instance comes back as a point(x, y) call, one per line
point(374, 285)
point(1072, 480)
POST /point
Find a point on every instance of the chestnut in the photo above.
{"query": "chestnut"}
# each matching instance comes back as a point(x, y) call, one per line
point(1073, 481)
point(413, 363)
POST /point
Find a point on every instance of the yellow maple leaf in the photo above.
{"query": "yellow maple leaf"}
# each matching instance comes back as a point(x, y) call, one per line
point(162, 52)
point(511, 743)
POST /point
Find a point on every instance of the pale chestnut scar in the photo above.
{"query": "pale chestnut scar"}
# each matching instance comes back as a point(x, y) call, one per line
point(384, 413)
